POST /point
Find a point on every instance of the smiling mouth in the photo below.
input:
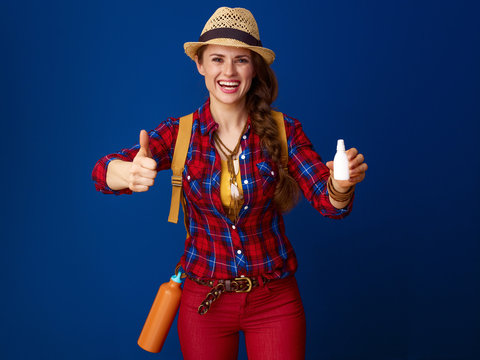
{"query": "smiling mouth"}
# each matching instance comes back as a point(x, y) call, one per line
point(229, 85)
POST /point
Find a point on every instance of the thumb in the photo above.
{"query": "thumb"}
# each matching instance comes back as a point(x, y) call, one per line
point(145, 144)
point(330, 166)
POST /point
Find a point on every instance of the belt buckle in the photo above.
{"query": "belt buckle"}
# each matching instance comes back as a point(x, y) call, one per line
point(249, 281)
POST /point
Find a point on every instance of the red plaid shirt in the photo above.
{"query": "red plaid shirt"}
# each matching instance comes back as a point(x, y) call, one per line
point(256, 244)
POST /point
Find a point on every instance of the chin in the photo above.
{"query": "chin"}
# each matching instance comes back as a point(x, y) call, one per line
point(229, 99)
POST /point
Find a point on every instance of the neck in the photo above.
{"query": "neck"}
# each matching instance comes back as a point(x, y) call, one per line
point(229, 117)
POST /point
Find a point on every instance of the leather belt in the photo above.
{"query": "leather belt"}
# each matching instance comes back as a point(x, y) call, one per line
point(239, 285)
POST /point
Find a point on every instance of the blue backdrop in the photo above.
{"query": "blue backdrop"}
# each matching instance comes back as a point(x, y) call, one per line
point(399, 80)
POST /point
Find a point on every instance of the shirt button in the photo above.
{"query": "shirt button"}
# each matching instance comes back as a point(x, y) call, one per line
point(243, 157)
point(239, 252)
point(188, 177)
point(234, 227)
point(245, 182)
point(246, 207)
point(242, 275)
point(273, 173)
point(244, 137)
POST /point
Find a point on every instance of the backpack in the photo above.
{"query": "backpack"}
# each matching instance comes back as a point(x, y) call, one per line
point(180, 154)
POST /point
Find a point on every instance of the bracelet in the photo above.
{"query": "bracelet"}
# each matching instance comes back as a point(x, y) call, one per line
point(338, 196)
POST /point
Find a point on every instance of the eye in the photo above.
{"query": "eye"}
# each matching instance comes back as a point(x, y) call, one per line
point(216, 59)
point(243, 61)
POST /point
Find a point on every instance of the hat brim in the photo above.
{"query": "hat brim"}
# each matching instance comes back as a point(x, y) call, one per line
point(191, 48)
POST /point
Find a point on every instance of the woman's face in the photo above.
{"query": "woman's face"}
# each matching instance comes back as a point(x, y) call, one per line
point(228, 72)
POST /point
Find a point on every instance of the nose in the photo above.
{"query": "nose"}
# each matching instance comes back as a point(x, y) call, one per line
point(230, 69)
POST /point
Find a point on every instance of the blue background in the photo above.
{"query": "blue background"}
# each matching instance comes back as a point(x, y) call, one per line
point(399, 80)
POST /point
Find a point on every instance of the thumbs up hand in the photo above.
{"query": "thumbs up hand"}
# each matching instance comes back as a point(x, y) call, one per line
point(143, 170)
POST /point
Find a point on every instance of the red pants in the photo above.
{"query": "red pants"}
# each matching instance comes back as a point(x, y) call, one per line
point(271, 318)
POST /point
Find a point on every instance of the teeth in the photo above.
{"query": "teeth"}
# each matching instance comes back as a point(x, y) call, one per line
point(228, 83)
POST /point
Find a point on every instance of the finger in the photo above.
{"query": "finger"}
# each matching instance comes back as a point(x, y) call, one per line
point(139, 188)
point(145, 143)
point(356, 161)
point(147, 173)
point(330, 165)
point(359, 169)
point(147, 163)
point(351, 153)
point(138, 169)
point(138, 180)
point(357, 179)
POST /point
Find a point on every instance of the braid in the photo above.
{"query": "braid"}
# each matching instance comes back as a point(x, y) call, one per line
point(261, 95)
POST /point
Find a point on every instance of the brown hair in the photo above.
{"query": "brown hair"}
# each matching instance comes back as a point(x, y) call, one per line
point(262, 93)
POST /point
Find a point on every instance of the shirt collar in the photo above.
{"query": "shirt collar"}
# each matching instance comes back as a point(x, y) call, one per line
point(207, 124)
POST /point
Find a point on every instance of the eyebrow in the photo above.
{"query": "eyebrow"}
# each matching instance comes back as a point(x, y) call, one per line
point(238, 56)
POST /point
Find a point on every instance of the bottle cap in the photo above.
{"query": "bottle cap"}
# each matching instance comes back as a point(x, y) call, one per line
point(177, 278)
point(340, 145)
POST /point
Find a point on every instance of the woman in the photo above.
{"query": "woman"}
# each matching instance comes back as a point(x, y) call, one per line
point(239, 263)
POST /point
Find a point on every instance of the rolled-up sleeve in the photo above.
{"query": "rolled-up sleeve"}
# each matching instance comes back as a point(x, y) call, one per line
point(162, 143)
point(310, 173)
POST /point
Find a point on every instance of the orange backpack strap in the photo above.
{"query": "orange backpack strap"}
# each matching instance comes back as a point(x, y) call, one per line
point(278, 116)
point(178, 162)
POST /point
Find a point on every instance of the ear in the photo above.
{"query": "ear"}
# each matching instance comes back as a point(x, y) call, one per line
point(200, 68)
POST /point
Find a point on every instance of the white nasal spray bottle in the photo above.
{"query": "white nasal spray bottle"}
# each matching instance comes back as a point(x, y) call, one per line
point(340, 162)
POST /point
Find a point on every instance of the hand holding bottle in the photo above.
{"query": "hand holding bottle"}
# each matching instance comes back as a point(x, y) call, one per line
point(357, 168)
point(143, 169)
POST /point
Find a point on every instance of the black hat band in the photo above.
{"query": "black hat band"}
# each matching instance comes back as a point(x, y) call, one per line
point(230, 33)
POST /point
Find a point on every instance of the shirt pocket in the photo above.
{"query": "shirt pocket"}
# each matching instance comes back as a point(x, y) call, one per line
point(193, 180)
point(267, 177)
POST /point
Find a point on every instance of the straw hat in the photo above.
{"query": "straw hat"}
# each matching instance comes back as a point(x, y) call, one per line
point(231, 27)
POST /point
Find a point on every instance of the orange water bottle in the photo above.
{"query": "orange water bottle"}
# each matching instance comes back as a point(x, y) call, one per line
point(161, 315)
